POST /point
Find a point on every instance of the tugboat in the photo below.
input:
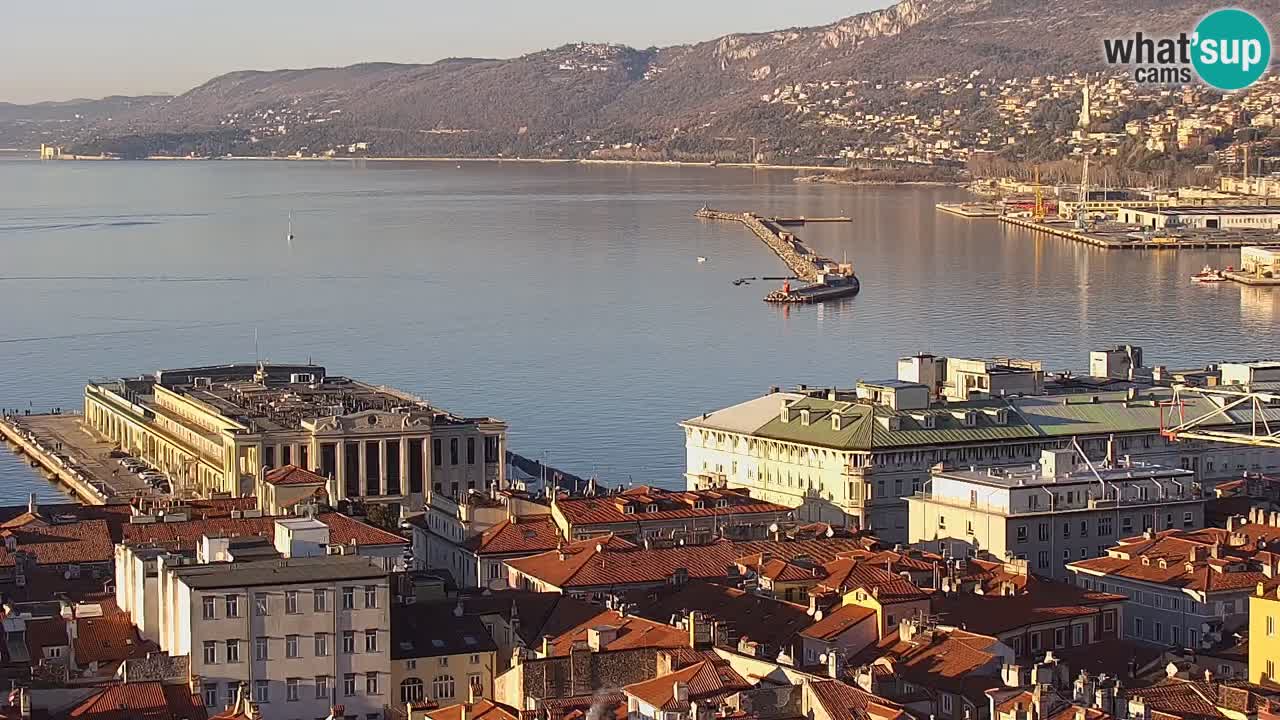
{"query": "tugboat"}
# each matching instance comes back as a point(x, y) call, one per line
point(1209, 275)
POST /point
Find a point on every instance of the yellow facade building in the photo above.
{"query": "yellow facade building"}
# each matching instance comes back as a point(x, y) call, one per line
point(1264, 635)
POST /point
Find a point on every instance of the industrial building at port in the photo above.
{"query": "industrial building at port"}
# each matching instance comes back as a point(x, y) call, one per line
point(856, 456)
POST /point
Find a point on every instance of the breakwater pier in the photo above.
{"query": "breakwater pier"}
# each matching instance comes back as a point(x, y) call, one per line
point(827, 279)
point(68, 453)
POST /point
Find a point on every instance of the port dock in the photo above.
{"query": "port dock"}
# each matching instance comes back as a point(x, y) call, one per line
point(827, 279)
point(1115, 236)
point(61, 446)
point(971, 210)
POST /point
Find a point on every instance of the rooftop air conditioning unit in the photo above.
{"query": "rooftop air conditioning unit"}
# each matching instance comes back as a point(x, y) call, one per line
point(302, 378)
point(202, 382)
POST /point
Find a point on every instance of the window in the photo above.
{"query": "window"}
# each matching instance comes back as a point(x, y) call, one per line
point(211, 695)
point(348, 641)
point(1137, 627)
point(411, 690)
point(1077, 635)
point(322, 687)
point(371, 596)
point(453, 451)
point(1043, 531)
point(442, 687)
point(942, 522)
point(1022, 533)
point(471, 451)
point(1159, 632)
point(291, 646)
point(291, 602)
point(1271, 626)
point(946, 703)
point(321, 600)
point(260, 604)
point(207, 602)
point(1105, 526)
point(371, 684)
point(348, 598)
point(260, 648)
point(475, 659)
point(233, 651)
point(413, 664)
point(1188, 519)
point(261, 691)
point(349, 684)
point(1084, 553)
point(210, 652)
point(233, 606)
point(322, 645)
point(1192, 636)
point(1084, 528)
point(1271, 669)
point(1175, 635)
point(233, 689)
point(1059, 637)
point(371, 641)
point(1066, 529)
point(1035, 642)
point(437, 456)
point(1042, 559)
point(291, 688)
point(1126, 524)
point(474, 681)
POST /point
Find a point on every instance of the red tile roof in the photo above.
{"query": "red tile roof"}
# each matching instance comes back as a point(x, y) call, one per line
point(111, 638)
point(293, 475)
point(527, 535)
point(849, 573)
point(839, 621)
point(1047, 602)
point(50, 543)
point(1176, 697)
point(846, 702)
point(705, 680)
point(45, 633)
point(140, 701)
point(186, 534)
point(671, 505)
point(754, 617)
point(481, 710)
point(952, 660)
point(1208, 560)
point(633, 633)
point(620, 563)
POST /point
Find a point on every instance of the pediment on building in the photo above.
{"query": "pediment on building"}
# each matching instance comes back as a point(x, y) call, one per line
point(373, 421)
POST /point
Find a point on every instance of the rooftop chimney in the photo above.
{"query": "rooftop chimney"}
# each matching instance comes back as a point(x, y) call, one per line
point(32, 506)
point(680, 692)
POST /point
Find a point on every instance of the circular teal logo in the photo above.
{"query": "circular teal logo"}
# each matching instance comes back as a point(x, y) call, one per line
point(1232, 49)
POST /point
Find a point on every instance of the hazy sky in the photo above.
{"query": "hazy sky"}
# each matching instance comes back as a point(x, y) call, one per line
point(61, 49)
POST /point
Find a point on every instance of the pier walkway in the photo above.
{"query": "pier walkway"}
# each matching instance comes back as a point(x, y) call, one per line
point(75, 457)
point(800, 259)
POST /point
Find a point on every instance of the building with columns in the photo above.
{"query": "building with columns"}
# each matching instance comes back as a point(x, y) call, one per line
point(221, 429)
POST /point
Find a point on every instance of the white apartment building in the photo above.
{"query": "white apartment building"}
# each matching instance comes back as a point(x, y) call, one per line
point(854, 456)
point(1052, 512)
point(296, 629)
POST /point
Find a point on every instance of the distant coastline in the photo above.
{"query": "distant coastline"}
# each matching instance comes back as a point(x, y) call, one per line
point(825, 172)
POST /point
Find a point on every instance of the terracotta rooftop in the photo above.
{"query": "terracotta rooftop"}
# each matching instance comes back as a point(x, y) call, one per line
point(650, 503)
point(952, 660)
point(530, 534)
point(480, 710)
point(1208, 560)
point(52, 542)
point(110, 638)
point(546, 613)
point(140, 701)
point(293, 475)
point(704, 681)
point(840, 620)
point(610, 562)
point(849, 573)
point(1197, 700)
point(1048, 601)
point(843, 701)
point(185, 535)
point(758, 618)
point(633, 633)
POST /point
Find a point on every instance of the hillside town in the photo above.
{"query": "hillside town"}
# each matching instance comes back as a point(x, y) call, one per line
point(972, 539)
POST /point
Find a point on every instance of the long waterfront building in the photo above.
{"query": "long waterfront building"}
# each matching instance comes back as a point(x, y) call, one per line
point(220, 429)
point(855, 456)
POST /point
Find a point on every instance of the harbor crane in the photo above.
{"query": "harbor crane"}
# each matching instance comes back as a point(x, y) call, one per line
point(1260, 409)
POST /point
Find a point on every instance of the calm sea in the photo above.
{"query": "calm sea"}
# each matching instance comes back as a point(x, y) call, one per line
point(565, 299)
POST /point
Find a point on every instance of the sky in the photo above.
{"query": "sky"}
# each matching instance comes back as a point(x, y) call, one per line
point(63, 49)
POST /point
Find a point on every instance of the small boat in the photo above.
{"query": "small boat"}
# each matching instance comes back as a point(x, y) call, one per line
point(1209, 275)
point(701, 259)
point(289, 236)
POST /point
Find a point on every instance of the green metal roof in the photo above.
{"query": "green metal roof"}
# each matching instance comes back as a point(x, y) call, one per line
point(866, 427)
